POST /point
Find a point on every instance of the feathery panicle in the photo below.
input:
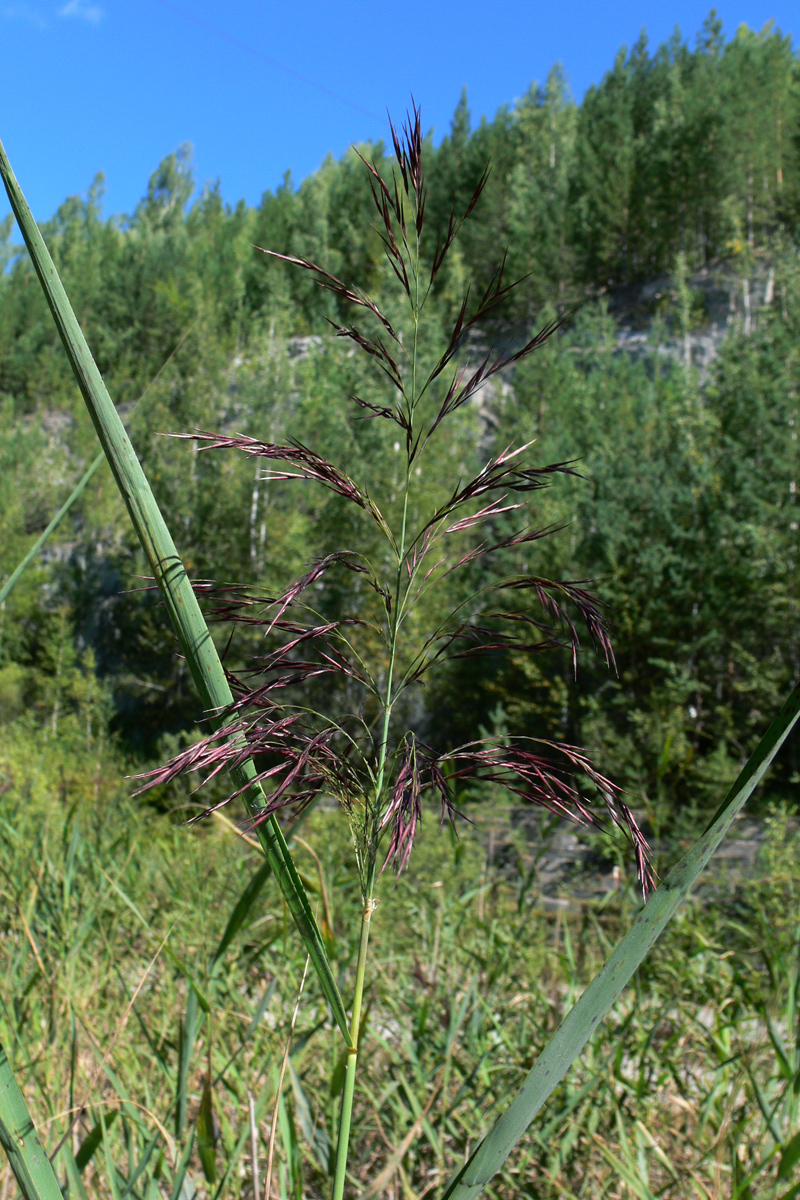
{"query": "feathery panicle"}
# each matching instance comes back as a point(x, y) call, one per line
point(548, 593)
point(454, 225)
point(366, 757)
point(332, 284)
point(466, 383)
point(309, 466)
point(403, 812)
point(538, 780)
point(498, 475)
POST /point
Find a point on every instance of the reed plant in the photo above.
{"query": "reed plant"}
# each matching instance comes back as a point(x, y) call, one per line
point(365, 754)
point(277, 743)
point(473, 978)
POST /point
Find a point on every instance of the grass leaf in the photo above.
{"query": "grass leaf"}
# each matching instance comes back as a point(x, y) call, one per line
point(584, 1017)
point(30, 1164)
point(74, 1188)
point(789, 1158)
point(93, 1139)
point(206, 1135)
point(240, 912)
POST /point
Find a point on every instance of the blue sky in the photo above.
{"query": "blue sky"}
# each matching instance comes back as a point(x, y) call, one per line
point(260, 88)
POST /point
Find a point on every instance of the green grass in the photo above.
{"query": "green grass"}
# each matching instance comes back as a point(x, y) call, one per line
point(152, 985)
point(689, 1089)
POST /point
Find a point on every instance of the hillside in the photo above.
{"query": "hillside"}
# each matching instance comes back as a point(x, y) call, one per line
point(663, 212)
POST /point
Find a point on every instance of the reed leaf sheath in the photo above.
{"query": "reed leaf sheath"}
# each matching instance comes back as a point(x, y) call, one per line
point(170, 575)
point(584, 1017)
point(31, 1166)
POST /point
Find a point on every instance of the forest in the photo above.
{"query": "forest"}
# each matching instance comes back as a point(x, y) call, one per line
point(681, 167)
point(622, 302)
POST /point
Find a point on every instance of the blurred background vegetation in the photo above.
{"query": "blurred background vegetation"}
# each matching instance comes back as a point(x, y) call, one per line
point(664, 214)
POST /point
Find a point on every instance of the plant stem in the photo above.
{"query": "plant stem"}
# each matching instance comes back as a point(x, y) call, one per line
point(352, 1055)
point(395, 620)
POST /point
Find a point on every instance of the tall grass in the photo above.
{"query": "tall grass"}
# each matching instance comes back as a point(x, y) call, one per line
point(363, 750)
point(474, 977)
point(376, 768)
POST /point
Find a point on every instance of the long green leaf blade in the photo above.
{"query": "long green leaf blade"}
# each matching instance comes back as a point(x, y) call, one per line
point(240, 913)
point(585, 1016)
point(170, 575)
point(93, 1139)
point(76, 492)
point(206, 1136)
point(31, 1166)
point(74, 1189)
point(42, 538)
point(790, 1157)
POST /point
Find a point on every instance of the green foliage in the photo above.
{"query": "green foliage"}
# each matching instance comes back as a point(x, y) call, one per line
point(100, 895)
point(686, 520)
point(679, 156)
